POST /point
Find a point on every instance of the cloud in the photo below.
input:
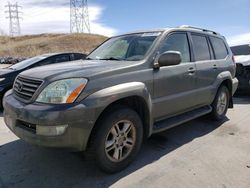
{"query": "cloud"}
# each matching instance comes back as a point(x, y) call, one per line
point(46, 3)
point(47, 16)
point(239, 39)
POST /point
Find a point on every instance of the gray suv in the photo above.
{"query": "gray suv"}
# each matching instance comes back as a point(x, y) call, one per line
point(128, 88)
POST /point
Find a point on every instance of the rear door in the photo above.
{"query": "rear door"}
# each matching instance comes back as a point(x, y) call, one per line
point(207, 68)
point(174, 85)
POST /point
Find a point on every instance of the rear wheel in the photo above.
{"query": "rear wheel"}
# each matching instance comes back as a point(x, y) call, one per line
point(220, 104)
point(117, 139)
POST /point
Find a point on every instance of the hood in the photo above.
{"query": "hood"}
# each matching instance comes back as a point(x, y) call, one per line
point(243, 59)
point(5, 72)
point(82, 68)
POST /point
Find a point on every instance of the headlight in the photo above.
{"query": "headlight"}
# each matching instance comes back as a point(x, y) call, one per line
point(2, 79)
point(62, 91)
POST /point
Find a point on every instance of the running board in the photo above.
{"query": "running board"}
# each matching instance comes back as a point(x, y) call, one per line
point(177, 120)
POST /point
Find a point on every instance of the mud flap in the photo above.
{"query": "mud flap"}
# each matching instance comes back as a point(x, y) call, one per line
point(231, 103)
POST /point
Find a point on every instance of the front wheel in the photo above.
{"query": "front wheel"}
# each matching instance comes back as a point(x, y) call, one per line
point(220, 104)
point(117, 139)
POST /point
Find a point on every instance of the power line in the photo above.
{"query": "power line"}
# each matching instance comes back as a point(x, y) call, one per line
point(14, 19)
point(79, 16)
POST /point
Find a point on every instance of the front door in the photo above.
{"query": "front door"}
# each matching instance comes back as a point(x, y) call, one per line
point(174, 85)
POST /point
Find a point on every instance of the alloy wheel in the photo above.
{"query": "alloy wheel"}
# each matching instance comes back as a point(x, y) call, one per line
point(120, 141)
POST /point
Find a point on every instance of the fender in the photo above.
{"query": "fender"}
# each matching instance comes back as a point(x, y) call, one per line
point(226, 75)
point(103, 98)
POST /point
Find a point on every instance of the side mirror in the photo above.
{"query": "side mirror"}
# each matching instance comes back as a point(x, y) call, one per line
point(169, 58)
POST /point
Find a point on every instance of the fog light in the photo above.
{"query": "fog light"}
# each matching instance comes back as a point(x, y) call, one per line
point(50, 130)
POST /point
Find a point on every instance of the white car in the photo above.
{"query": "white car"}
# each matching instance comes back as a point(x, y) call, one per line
point(242, 59)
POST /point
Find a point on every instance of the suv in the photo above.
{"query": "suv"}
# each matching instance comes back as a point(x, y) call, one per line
point(128, 88)
point(242, 58)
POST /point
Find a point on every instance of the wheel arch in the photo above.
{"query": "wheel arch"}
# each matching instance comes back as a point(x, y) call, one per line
point(133, 95)
point(228, 83)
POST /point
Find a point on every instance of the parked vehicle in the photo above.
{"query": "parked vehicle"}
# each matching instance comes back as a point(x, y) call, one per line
point(10, 60)
point(8, 74)
point(242, 58)
point(129, 88)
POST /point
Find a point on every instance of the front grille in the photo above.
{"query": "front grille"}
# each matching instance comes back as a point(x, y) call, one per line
point(25, 88)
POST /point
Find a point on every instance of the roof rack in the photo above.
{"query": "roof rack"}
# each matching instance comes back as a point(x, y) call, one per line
point(200, 29)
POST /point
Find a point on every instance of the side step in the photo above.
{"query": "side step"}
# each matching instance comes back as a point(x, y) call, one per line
point(177, 120)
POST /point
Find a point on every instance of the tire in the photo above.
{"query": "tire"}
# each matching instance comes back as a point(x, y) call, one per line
point(114, 151)
point(220, 104)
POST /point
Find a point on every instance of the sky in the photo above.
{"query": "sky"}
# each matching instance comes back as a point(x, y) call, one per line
point(231, 18)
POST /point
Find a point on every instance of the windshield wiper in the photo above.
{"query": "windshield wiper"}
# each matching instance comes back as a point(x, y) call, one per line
point(111, 58)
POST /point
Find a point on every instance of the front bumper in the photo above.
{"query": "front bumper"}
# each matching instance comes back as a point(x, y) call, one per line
point(235, 85)
point(243, 75)
point(78, 117)
point(244, 84)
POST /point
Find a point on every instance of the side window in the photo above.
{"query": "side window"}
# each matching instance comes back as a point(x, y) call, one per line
point(78, 56)
point(219, 46)
point(201, 48)
point(61, 58)
point(44, 62)
point(177, 42)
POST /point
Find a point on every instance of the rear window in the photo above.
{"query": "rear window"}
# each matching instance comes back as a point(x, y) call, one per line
point(219, 46)
point(241, 50)
point(201, 48)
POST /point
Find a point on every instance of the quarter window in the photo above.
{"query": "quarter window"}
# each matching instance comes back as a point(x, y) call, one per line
point(219, 46)
point(201, 48)
point(177, 42)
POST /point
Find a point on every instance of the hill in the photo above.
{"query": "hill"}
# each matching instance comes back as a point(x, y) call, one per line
point(32, 45)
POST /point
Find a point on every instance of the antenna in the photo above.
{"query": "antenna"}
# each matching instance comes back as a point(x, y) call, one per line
point(79, 16)
point(14, 18)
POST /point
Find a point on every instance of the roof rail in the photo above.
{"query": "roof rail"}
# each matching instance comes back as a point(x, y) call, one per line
point(198, 28)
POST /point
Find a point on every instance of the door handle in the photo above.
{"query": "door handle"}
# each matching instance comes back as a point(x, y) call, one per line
point(215, 66)
point(191, 70)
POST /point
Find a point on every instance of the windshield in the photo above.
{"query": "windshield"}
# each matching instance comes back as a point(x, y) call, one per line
point(26, 63)
point(132, 47)
point(241, 50)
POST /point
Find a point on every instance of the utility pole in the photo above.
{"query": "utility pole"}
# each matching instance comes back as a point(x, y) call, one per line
point(79, 16)
point(14, 19)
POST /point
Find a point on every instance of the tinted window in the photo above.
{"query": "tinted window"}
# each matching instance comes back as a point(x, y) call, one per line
point(44, 62)
point(241, 50)
point(61, 58)
point(26, 63)
point(201, 49)
point(54, 59)
point(177, 42)
point(219, 46)
point(78, 56)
